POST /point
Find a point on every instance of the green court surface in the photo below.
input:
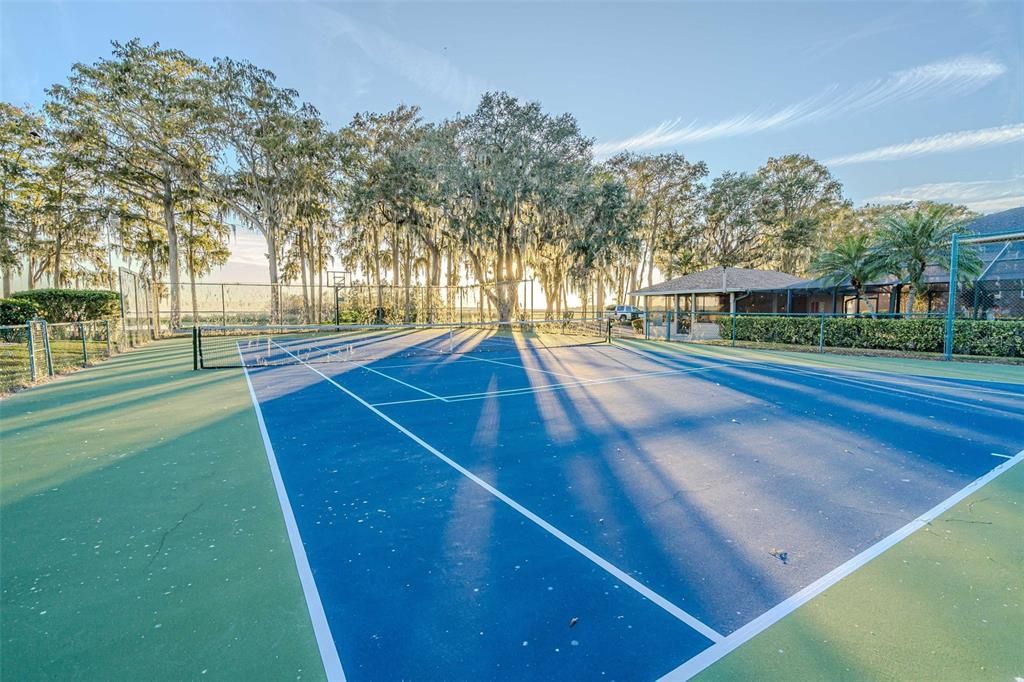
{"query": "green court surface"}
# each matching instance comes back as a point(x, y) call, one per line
point(965, 370)
point(141, 534)
point(945, 604)
point(142, 538)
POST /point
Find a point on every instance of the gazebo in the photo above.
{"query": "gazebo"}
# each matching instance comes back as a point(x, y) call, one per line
point(720, 289)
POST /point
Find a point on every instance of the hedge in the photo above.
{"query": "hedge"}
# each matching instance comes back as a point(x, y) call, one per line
point(17, 311)
point(72, 305)
point(997, 338)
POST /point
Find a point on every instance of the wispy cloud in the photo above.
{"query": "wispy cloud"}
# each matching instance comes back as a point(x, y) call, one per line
point(947, 142)
point(947, 77)
point(428, 70)
point(984, 196)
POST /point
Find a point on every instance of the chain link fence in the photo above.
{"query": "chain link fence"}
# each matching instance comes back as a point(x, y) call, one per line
point(261, 304)
point(33, 352)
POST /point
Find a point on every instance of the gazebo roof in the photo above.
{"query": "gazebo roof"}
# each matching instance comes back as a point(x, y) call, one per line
point(721, 281)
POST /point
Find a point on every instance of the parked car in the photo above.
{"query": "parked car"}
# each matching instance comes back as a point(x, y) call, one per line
point(623, 313)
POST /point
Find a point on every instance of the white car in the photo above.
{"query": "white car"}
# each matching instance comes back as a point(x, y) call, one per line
point(624, 313)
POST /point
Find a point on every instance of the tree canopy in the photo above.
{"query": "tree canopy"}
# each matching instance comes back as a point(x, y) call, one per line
point(163, 157)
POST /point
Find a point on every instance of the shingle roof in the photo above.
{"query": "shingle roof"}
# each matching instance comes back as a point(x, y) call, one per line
point(1004, 221)
point(721, 280)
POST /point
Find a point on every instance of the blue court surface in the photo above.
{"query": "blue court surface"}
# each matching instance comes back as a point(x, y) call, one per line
point(599, 512)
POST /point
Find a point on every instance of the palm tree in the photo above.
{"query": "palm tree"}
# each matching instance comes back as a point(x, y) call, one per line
point(913, 241)
point(855, 258)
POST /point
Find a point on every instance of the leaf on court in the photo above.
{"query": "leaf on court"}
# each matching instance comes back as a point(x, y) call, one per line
point(780, 555)
point(572, 623)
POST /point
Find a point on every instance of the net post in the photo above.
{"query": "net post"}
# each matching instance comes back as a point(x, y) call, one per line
point(954, 257)
point(85, 349)
point(32, 369)
point(732, 327)
point(46, 348)
point(668, 325)
point(821, 335)
point(195, 348)
point(608, 330)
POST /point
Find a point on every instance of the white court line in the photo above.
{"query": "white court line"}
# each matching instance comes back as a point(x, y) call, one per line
point(547, 388)
point(321, 630)
point(520, 366)
point(610, 568)
point(571, 384)
point(779, 611)
point(997, 454)
point(341, 358)
point(845, 379)
point(433, 396)
point(887, 388)
point(811, 363)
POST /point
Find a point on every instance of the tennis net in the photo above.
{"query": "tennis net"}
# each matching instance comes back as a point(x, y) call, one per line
point(217, 347)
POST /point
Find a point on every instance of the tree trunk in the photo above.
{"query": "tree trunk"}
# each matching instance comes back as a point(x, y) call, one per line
point(6, 250)
point(407, 280)
point(58, 253)
point(377, 269)
point(191, 262)
point(911, 300)
point(172, 253)
point(275, 294)
point(155, 293)
point(302, 271)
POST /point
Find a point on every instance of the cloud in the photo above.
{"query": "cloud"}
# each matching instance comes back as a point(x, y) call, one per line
point(947, 142)
point(984, 196)
point(428, 70)
point(947, 77)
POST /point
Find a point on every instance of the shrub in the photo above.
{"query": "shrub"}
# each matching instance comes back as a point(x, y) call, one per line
point(72, 305)
point(17, 311)
point(996, 338)
point(638, 326)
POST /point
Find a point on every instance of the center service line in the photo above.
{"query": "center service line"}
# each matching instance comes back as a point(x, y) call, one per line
point(610, 568)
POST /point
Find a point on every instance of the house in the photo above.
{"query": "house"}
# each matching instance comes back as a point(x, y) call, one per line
point(997, 292)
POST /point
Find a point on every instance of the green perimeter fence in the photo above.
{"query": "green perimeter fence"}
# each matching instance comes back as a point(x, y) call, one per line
point(208, 303)
point(37, 350)
point(999, 338)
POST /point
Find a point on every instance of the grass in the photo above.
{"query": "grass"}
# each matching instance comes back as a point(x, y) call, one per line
point(141, 535)
point(65, 355)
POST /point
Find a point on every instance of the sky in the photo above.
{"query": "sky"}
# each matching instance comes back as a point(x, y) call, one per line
point(918, 100)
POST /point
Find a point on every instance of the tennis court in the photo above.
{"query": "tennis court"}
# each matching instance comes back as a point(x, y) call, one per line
point(479, 504)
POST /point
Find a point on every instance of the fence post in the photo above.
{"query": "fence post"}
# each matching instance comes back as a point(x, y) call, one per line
point(668, 325)
point(46, 348)
point(733, 330)
point(821, 335)
point(106, 328)
point(85, 348)
point(32, 369)
point(954, 256)
point(223, 307)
